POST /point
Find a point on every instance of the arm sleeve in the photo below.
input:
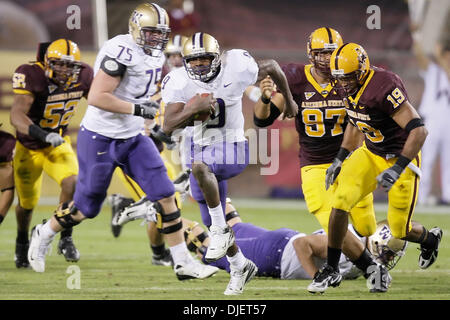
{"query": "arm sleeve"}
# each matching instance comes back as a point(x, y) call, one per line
point(244, 66)
point(87, 75)
point(392, 93)
point(172, 90)
point(23, 80)
point(295, 76)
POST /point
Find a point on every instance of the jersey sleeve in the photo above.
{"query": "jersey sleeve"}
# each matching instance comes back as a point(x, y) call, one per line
point(244, 65)
point(24, 80)
point(295, 75)
point(87, 75)
point(172, 88)
point(392, 93)
point(120, 51)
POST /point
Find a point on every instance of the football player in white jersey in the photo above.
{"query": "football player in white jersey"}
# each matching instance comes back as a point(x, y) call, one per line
point(127, 69)
point(209, 88)
point(160, 254)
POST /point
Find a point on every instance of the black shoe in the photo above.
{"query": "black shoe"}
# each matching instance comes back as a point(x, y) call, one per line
point(164, 259)
point(118, 203)
point(428, 256)
point(378, 278)
point(68, 249)
point(324, 278)
point(21, 255)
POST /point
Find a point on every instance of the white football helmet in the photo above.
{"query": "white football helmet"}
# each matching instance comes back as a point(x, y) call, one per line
point(386, 249)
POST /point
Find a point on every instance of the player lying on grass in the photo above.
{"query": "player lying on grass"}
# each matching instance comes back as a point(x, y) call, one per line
point(283, 253)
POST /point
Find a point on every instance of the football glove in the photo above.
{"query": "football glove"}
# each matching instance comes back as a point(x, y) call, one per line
point(146, 110)
point(54, 139)
point(159, 134)
point(387, 178)
point(332, 172)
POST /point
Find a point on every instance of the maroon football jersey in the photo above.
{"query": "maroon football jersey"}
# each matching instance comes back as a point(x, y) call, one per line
point(53, 106)
point(372, 108)
point(7, 145)
point(321, 119)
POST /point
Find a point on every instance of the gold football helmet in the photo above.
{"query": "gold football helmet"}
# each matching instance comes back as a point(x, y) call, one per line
point(321, 44)
point(173, 51)
point(197, 47)
point(386, 249)
point(149, 27)
point(350, 66)
point(62, 63)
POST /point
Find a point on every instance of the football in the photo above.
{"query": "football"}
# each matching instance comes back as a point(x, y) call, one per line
point(202, 116)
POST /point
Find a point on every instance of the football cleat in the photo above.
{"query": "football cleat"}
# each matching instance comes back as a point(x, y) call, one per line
point(220, 239)
point(118, 203)
point(67, 248)
point(324, 278)
point(194, 270)
point(239, 278)
point(20, 256)
point(142, 209)
point(428, 256)
point(378, 278)
point(164, 259)
point(38, 249)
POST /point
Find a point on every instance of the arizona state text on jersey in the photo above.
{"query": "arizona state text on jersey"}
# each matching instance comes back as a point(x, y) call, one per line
point(53, 107)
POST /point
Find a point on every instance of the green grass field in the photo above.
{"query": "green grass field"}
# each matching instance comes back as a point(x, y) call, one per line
point(120, 268)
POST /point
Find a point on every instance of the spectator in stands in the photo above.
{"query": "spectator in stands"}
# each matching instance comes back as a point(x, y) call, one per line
point(434, 108)
point(181, 21)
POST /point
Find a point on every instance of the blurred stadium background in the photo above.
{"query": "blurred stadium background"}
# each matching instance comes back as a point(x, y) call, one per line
point(267, 29)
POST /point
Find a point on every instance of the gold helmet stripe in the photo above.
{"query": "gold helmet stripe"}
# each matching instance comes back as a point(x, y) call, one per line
point(337, 56)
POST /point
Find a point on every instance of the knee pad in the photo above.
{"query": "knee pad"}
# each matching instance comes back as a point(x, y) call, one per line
point(64, 215)
point(196, 242)
point(162, 217)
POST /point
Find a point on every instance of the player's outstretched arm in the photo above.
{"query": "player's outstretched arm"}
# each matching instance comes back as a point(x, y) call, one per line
point(272, 68)
point(408, 119)
point(308, 247)
point(352, 139)
point(18, 116)
point(101, 94)
point(268, 107)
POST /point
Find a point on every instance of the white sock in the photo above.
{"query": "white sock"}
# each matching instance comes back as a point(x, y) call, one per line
point(238, 260)
point(180, 254)
point(217, 216)
point(47, 232)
